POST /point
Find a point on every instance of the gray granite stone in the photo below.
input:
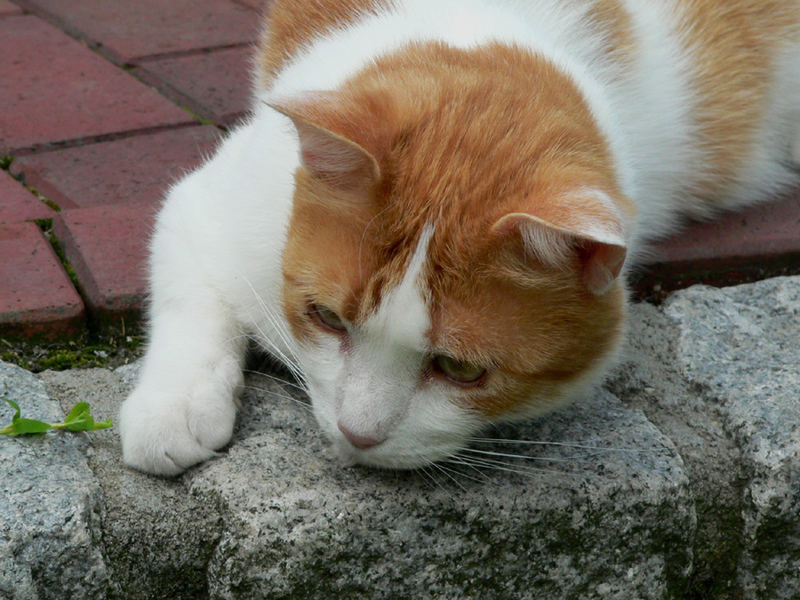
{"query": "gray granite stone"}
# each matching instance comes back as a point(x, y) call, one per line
point(718, 371)
point(51, 506)
point(157, 538)
point(607, 516)
point(607, 513)
point(678, 479)
point(740, 347)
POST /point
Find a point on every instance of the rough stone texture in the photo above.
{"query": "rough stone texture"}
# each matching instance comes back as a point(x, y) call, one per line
point(687, 487)
point(741, 347)
point(63, 91)
point(277, 517)
point(51, 506)
point(717, 371)
point(157, 537)
point(299, 525)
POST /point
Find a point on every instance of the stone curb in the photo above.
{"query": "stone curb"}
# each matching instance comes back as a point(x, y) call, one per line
point(670, 481)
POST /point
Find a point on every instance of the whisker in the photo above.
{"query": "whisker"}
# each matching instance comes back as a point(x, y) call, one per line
point(289, 361)
point(300, 403)
point(461, 473)
point(523, 456)
point(429, 476)
point(277, 327)
point(441, 469)
point(563, 445)
point(278, 379)
point(294, 368)
point(510, 467)
point(456, 459)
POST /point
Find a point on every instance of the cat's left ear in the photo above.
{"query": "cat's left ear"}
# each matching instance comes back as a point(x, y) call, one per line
point(590, 229)
point(329, 156)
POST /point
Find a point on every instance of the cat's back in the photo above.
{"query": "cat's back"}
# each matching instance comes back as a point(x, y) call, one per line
point(699, 98)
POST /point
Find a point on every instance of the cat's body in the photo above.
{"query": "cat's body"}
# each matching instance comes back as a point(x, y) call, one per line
point(428, 211)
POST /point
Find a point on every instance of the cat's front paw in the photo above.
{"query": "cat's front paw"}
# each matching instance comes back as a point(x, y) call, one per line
point(165, 431)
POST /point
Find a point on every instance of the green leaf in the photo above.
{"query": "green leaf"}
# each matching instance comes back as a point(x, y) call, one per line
point(22, 426)
point(15, 406)
point(78, 419)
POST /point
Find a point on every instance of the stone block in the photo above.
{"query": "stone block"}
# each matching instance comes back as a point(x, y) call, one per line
point(51, 505)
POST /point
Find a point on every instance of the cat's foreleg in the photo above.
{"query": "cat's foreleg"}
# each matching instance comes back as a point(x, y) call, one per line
point(184, 405)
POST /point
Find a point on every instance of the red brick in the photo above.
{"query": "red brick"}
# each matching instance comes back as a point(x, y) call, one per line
point(260, 5)
point(760, 241)
point(215, 84)
point(137, 168)
point(36, 297)
point(64, 91)
point(126, 30)
point(18, 204)
point(107, 248)
point(7, 8)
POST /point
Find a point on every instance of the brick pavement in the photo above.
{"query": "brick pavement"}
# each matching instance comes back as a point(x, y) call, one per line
point(112, 101)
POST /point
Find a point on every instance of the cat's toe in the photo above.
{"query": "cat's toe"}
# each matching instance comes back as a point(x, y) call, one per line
point(165, 435)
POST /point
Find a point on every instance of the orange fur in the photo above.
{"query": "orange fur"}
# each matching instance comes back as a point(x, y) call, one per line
point(286, 33)
point(616, 22)
point(734, 45)
point(460, 144)
point(461, 139)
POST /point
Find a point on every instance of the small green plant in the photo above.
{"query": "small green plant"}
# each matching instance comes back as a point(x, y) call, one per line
point(79, 419)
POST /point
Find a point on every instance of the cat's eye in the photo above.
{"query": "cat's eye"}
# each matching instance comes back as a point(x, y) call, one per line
point(460, 372)
point(326, 318)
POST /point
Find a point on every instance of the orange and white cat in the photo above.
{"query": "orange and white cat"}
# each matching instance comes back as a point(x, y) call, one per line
point(428, 213)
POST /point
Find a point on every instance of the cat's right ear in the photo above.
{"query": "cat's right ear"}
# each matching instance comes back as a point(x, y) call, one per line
point(586, 228)
point(327, 155)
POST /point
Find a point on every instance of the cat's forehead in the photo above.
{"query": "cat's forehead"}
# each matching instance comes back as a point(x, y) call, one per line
point(403, 314)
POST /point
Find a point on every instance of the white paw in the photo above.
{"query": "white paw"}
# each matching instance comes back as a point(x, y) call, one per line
point(166, 429)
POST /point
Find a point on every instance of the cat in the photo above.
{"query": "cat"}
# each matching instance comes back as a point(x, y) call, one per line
point(431, 210)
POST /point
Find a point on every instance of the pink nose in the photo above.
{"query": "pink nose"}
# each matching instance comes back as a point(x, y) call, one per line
point(362, 442)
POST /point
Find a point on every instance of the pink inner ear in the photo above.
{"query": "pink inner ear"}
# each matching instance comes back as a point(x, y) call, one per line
point(326, 153)
point(328, 156)
point(593, 233)
point(601, 266)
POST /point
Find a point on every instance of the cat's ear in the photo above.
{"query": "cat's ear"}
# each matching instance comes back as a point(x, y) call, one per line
point(327, 155)
point(592, 231)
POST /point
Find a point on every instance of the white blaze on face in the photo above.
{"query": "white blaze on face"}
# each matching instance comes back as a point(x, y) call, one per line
point(383, 370)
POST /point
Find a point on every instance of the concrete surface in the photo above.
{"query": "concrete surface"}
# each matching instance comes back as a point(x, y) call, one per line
point(678, 479)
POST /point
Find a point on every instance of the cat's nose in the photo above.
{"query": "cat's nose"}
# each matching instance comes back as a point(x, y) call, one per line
point(362, 442)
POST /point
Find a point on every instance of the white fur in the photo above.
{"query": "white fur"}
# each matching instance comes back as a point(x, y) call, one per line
point(374, 389)
point(215, 268)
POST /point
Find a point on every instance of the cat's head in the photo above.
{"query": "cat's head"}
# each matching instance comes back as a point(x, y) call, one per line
point(452, 258)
